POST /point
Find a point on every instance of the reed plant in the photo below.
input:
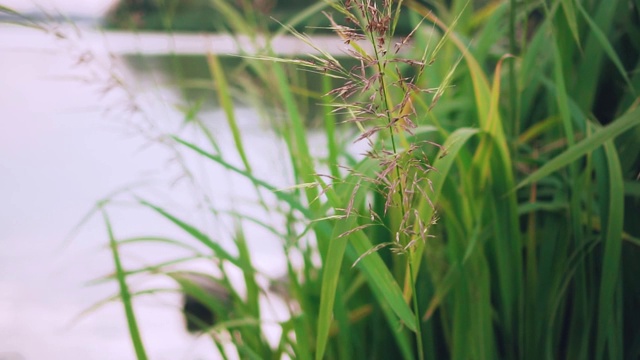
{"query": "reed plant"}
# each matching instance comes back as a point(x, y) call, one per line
point(493, 214)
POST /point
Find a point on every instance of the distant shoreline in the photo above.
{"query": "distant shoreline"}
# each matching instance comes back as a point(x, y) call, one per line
point(40, 17)
point(151, 43)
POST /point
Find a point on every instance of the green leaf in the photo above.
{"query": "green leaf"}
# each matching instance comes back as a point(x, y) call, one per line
point(570, 15)
point(227, 105)
point(599, 137)
point(612, 212)
point(284, 196)
point(330, 279)
point(606, 45)
point(197, 234)
point(379, 276)
point(445, 160)
point(125, 294)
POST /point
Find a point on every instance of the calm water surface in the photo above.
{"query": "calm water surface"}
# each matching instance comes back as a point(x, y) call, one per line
point(68, 138)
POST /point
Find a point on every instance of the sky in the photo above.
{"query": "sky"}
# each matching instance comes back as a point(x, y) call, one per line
point(68, 7)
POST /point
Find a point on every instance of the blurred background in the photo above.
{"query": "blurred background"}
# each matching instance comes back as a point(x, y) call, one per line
point(82, 113)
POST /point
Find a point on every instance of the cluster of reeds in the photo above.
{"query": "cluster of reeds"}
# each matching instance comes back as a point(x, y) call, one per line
point(530, 160)
point(527, 258)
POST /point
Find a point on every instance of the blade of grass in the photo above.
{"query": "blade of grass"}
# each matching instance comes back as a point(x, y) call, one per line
point(226, 102)
point(298, 142)
point(579, 323)
point(443, 164)
point(330, 277)
point(156, 268)
point(116, 297)
point(125, 294)
point(284, 196)
point(197, 234)
point(585, 87)
point(301, 16)
point(330, 129)
point(376, 272)
point(599, 137)
point(612, 211)
point(570, 15)
point(403, 338)
point(449, 153)
point(253, 290)
point(606, 45)
point(159, 240)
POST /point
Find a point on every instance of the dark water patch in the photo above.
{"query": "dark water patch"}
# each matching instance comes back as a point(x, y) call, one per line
point(191, 77)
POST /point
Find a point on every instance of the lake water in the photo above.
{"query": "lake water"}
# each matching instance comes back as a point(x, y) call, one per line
point(69, 137)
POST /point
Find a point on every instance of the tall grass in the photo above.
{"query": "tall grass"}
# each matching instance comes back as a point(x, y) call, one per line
point(495, 212)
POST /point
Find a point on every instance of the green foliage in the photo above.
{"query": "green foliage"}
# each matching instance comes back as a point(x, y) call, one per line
point(125, 294)
point(514, 239)
point(208, 16)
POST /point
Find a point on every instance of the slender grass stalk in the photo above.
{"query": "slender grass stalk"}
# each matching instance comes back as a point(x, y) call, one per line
point(387, 110)
point(125, 295)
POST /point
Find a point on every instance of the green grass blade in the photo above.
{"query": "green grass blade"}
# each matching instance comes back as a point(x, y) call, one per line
point(298, 142)
point(197, 234)
point(125, 294)
point(606, 45)
point(235, 19)
point(599, 137)
point(284, 196)
point(330, 128)
point(445, 160)
point(253, 289)
point(9, 11)
point(116, 297)
point(226, 102)
point(570, 15)
point(25, 20)
point(156, 268)
point(301, 16)
point(330, 279)
point(159, 240)
point(561, 92)
point(585, 88)
point(612, 206)
point(403, 338)
point(380, 277)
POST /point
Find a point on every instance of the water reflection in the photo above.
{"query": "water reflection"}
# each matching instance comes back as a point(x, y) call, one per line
point(190, 75)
